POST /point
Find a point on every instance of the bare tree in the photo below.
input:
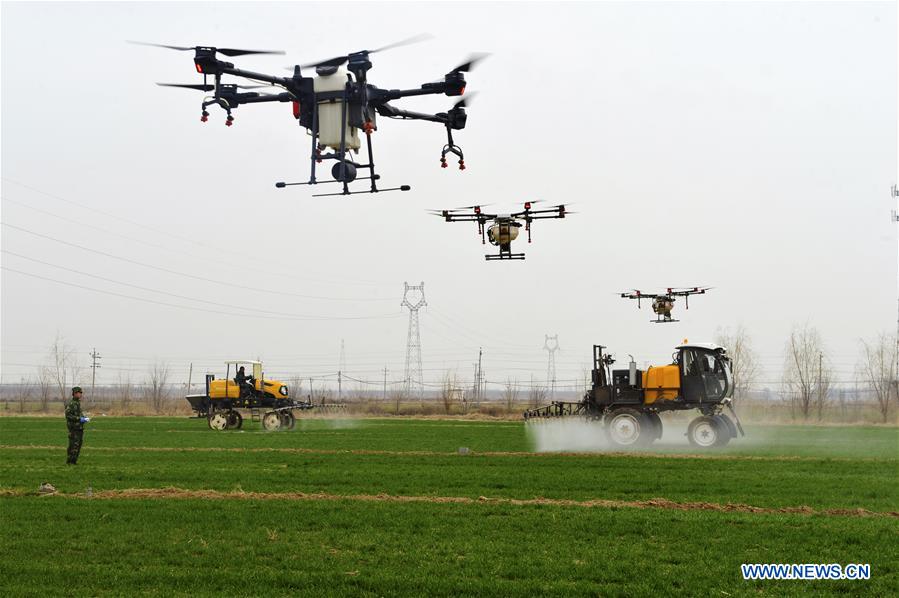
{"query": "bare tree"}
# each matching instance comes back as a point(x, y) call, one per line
point(806, 377)
point(126, 391)
point(63, 366)
point(26, 391)
point(155, 390)
point(398, 397)
point(537, 394)
point(878, 366)
point(510, 394)
point(44, 388)
point(743, 358)
point(448, 391)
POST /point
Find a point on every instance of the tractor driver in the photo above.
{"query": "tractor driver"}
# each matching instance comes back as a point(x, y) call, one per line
point(245, 382)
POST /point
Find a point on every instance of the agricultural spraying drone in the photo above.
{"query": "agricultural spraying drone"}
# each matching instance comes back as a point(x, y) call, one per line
point(505, 227)
point(663, 303)
point(333, 105)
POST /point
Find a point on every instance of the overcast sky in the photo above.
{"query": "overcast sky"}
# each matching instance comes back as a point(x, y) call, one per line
point(745, 146)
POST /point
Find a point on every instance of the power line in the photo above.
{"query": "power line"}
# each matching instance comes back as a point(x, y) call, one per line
point(192, 308)
point(167, 233)
point(177, 296)
point(228, 284)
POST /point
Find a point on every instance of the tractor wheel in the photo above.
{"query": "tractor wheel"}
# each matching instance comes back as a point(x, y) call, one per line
point(628, 428)
point(288, 420)
point(271, 421)
point(656, 421)
point(235, 420)
point(706, 432)
point(217, 420)
point(728, 427)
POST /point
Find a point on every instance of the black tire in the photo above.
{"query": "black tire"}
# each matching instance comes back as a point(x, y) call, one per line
point(656, 422)
point(217, 420)
point(288, 420)
point(235, 420)
point(271, 421)
point(628, 428)
point(729, 428)
point(706, 432)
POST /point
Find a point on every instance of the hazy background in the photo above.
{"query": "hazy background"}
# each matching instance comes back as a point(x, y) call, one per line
point(746, 146)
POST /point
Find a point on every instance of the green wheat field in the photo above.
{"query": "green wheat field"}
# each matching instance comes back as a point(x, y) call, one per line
point(166, 506)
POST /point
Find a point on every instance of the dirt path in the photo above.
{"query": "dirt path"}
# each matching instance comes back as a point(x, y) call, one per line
point(313, 451)
point(653, 503)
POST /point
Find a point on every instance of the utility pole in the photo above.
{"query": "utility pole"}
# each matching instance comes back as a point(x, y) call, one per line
point(413, 338)
point(551, 363)
point(340, 367)
point(820, 385)
point(480, 377)
point(384, 393)
point(94, 365)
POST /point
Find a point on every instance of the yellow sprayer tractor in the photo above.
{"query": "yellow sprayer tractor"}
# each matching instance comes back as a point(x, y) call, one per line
point(267, 401)
point(628, 402)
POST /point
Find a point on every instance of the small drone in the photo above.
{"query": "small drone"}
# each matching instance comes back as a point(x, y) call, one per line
point(333, 105)
point(505, 227)
point(663, 303)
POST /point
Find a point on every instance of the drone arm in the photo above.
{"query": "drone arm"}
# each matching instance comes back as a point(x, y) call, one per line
point(247, 98)
point(228, 69)
point(465, 217)
point(386, 109)
point(426, 89)
point(538, 215)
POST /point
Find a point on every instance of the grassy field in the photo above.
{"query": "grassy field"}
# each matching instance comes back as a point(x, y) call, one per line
point(392, 507)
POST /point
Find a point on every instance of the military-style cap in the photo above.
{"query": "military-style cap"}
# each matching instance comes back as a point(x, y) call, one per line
point(76, 389)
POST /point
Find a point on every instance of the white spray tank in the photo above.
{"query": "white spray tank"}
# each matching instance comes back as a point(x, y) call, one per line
point(330, 123)
point(632, 371)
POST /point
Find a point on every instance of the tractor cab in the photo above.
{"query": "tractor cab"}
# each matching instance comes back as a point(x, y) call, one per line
point(249, 390)
point(705, 371)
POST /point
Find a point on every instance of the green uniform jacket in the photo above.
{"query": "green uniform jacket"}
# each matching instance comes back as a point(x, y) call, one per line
point(73, 415)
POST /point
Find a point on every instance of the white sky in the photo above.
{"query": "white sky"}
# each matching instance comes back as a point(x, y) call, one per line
point(746, 146)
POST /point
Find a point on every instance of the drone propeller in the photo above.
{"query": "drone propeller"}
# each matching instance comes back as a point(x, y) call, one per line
point(464, 102)
point(225, 51)
point(480, 205)
point(472, 61)
point(207, 87)
point(340, 60)
point(197, 86)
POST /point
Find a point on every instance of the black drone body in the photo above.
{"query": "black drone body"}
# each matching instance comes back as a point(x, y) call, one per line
point(505, 227)
point(334, 105)
point(663, 303)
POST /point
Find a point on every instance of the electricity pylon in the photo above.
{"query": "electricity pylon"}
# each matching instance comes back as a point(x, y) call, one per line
point(413, 338)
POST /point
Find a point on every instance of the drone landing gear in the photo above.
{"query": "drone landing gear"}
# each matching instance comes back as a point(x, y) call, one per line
point(665, 321)
point(451, 148)
point(504, 256)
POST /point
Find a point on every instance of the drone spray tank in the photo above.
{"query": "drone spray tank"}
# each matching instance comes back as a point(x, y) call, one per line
point(333, 112)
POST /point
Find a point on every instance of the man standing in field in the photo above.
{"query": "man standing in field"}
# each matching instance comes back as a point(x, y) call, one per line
point(75, 420)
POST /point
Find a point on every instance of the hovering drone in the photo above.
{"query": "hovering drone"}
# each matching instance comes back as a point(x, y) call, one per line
point(333, 105)
point(505, 227)
point(663, 303)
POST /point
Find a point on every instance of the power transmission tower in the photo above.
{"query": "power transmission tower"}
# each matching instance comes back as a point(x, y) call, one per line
point(94, 365)
point(478, 379)
point(413, 338)
point(551, 362)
